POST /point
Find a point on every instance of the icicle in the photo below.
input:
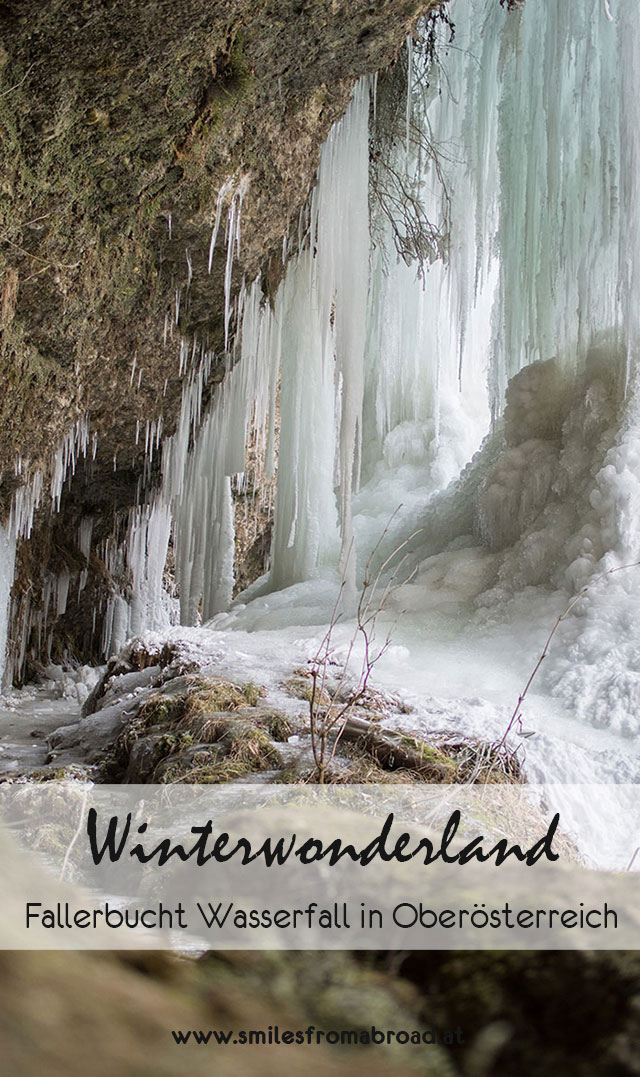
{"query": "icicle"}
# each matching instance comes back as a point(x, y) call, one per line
point(7, 562)
point(141, 558)
point(26, 500)
point(183, 357)
point(227, 186)
point(74, 444)
point(233, 247)
point(85, 533)
point(197, 484)
point(374, 97)
point(146, 554)
point(322, 309)
point(62, 592)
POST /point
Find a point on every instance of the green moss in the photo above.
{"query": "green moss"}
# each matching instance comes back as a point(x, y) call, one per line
point(431, 758)
point(239, 750)
point(212, 732)
point(279, 726)
point(210, 696)
point(253, 693)
point(160, 710)
point(300, 685)
point(253, 747)
point(171, 743)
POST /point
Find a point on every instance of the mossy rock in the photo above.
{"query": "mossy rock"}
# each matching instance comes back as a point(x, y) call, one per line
point(212, 733)
point(279, 727)
point(240, 750)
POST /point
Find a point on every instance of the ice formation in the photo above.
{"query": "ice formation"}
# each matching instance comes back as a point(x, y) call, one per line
point(493, 397)
point(534, 305)
point(535, 267)
point(322, 309)
point(7, 557)
point(144, 602)
point(75, 443)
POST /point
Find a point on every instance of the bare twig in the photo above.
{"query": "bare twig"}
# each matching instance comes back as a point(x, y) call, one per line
point(330, 712)
point(401, 144)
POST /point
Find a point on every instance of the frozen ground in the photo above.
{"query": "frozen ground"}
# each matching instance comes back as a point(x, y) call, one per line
point(27, 717)
point(452, 668)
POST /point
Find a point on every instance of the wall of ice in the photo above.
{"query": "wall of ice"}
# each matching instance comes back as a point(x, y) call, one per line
point(387, 379)
point(531, 156)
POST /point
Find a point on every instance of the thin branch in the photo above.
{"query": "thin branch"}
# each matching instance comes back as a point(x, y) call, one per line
point(330, 715)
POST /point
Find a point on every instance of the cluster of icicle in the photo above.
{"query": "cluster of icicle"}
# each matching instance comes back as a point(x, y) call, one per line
point(533, 114)
point(194, 501)
point(26, 501)
point(312, 341)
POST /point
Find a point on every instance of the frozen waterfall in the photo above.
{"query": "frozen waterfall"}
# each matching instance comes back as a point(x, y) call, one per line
point(496, 410)
point(526, 144)
point(483, 392)
point(371, 385)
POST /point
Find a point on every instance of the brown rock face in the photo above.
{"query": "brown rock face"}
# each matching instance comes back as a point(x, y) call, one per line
point(119, 125)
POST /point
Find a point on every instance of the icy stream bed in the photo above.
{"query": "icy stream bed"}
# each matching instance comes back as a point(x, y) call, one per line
point(27, 717)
